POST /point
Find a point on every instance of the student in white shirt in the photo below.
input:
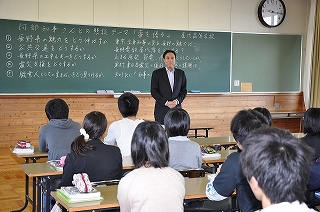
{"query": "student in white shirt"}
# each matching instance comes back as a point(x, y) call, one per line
point(120, 132)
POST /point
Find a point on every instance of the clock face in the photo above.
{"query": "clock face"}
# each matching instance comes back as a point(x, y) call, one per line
point(271, 13)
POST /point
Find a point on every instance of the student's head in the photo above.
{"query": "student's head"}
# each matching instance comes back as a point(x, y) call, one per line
point(128, 104)
point(264, 112)
point(177, 122)
point(311, 121)
point(169, 59)
point(277, 164)
point(149, 145)
point(244, 122)
point(57, 109)
point(94, 126)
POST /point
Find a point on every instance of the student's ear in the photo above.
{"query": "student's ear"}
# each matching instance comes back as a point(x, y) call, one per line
point(253, 183)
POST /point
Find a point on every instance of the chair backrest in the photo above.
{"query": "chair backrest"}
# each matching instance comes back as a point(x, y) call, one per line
point(192, 173)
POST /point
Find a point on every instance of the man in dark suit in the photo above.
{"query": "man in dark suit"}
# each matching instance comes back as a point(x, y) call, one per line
point(168, 86)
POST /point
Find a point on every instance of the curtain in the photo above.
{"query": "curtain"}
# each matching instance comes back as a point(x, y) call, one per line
point(307, 71)
point(315, 76)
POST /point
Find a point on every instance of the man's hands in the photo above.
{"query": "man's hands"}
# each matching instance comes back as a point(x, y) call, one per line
point(172, 104)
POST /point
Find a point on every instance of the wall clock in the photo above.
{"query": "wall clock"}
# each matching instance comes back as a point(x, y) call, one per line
point(271, 13)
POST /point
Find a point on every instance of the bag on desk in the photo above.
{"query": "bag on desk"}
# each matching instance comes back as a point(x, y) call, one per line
point(81, 182)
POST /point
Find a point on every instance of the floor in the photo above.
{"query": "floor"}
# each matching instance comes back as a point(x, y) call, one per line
point(12, 182)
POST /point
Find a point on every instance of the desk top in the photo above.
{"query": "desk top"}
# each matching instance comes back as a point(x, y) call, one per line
point(226, 140)
point(45, 169)
point(195, 188)
point(35, 154)
point(201, 126)
point(221, 159)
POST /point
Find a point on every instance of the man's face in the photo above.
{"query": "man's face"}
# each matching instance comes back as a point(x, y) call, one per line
point(169, 61)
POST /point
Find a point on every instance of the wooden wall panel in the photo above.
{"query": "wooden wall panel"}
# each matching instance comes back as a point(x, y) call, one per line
point(22, 116)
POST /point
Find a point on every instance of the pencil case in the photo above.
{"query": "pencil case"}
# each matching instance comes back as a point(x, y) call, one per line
point(81, 182)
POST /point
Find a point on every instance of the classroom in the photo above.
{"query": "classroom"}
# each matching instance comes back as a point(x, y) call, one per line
point(23, 112)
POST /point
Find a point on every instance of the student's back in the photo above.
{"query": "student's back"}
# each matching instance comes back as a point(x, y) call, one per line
point(102, 163)
point(184, 153)
point(89, 155)
point(56, 136)
point(120, 132)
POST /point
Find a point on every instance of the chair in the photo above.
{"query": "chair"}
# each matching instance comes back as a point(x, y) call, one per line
point(193, 173)
point(105, 183)
point(229, 204)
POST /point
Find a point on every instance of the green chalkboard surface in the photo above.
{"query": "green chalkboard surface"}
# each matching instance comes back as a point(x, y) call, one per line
point(37, 57)
point(271, 62)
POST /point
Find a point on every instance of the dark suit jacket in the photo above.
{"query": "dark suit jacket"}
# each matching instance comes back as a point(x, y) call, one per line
point(103, 163)
point(314, 142)
point(161, 90)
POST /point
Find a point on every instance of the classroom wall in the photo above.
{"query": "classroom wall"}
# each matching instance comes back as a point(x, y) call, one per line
point(22, 117)
point(212, 15)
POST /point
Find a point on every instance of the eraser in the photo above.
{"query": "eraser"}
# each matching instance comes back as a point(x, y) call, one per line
point(195, 91)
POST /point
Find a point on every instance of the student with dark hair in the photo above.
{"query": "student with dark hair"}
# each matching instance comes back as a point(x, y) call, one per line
point(184, 153)
point(264, 112)
point(89, 155)
point(57, 136)
point(152, 185)
point(120, 132)
point(229, 175)
point(277, 167)
point(168, 86)
point(311, 126)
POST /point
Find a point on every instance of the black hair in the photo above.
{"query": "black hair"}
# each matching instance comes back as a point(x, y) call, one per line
point(128, 104)
point(245, 121)
point(311, 121)
point(57, 109)
point(264, 111)
point(279, 162)
point(149, 145)
point(169, 51)
point(95, 125)
point(177, 122)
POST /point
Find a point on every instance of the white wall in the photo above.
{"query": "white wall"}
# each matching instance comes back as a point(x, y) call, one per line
point(215, 15)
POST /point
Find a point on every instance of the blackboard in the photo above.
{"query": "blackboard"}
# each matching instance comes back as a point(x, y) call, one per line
point(271, 62)
point(39, 57)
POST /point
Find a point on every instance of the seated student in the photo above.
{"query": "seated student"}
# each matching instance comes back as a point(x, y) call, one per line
point(89, 155)
point(277, 167)
point(152, 185)
point(184, 153)
point(264, 112)
point(120, 132)
point(229, 176)
point(56, 136)
point(311, 127)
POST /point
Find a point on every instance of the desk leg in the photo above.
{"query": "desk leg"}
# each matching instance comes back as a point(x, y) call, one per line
point(207, 133)
point(196, 133)
point(28, 199)
point(39, 198)
point(48, 194)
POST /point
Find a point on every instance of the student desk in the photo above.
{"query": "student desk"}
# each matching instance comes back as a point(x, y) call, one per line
point(38, 171)
point(197, 127)
point(34, 157)
point(217, 160)
point(225, 141)
point(195, 189)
